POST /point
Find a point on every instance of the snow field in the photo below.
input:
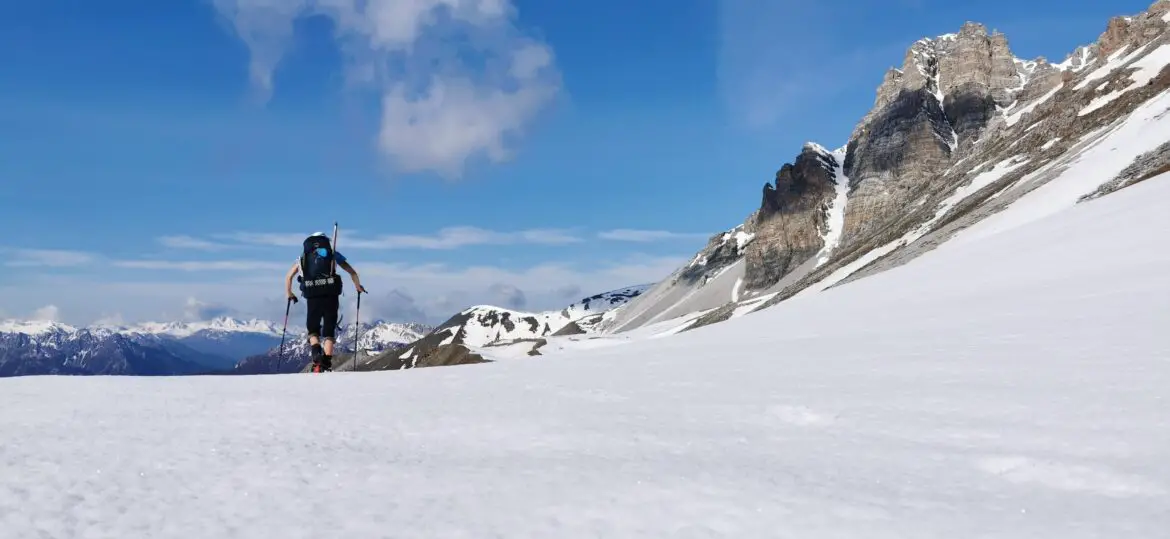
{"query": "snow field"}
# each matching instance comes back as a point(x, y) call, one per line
point(963, 398)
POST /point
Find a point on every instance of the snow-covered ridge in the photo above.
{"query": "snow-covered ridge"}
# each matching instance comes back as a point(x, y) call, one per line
point(486, 324)
point(221, 324)
point(1081, 58)
point(177, 330)
point(481, 325)
point(604, 302)
point(34, 327)
point(737, 234)
point(380, 334)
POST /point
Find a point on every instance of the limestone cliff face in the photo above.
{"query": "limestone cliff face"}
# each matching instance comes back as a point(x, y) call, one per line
point(789, 226)
point(958, 105)
point(953, 96)
point(926, 116)
point(1124, 32)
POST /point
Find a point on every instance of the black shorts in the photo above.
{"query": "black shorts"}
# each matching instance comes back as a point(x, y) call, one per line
point(322, 316)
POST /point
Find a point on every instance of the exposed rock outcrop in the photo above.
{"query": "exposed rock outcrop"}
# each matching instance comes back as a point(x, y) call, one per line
point(444, 355)
point(788, 228)
point(572, 328)
point(960, 105)
point(1147, 166)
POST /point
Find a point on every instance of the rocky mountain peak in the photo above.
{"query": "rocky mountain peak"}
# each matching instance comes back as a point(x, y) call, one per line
point(1128, 31)
point(800, 184)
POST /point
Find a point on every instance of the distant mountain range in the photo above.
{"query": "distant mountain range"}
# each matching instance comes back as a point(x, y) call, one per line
point(375, 338)
point(165, 348)
point(228, 345)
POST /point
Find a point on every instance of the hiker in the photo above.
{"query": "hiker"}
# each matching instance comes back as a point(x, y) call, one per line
point(321, 288)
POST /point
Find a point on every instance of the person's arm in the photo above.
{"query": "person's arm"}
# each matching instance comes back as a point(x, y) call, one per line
point(292, 272)
point(353, 275)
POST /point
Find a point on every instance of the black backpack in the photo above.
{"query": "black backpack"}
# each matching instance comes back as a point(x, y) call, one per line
point(318, 276)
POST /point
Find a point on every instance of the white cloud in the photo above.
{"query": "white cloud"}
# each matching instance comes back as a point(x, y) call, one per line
point(53, 258)
point(266, 238)
point(509, 296)
point(202, 265)
point(645, 236)
point(457, 78)
point(444, 239)
point(196, 310)
point(397, 306)
point(188, 242)
point(455, 237)
point(48, 313)
point(49, 258)
point(110, 320)
point(437, 290)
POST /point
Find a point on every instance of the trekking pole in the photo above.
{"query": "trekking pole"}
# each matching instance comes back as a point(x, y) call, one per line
point(280, 355)
point(333, 267)
point(357, 328)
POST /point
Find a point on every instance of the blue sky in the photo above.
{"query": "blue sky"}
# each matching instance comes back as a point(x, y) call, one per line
point(574, 146)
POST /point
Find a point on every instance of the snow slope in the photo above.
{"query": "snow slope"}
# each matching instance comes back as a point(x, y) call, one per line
point(1083, 172)
point(977, 399)
point(486, 324)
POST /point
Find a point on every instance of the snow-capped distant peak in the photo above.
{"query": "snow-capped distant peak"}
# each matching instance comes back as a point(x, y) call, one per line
point(605, 301)
point(222, 324)
point(34, 327)
point(390, 332)
point(481, 325)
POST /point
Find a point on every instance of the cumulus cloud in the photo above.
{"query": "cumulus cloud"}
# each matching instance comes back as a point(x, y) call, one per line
point(110, 320)
point(48, 313)
point(509, 296)
point(457, 78)
point(398, 306)
point(451, 301)
point(568, 291)
point(196, 310)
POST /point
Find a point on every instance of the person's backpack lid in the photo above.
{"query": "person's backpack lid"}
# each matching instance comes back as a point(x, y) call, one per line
point(317, 240)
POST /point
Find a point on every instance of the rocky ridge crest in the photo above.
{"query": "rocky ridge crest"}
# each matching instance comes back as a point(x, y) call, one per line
point(960, 104)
